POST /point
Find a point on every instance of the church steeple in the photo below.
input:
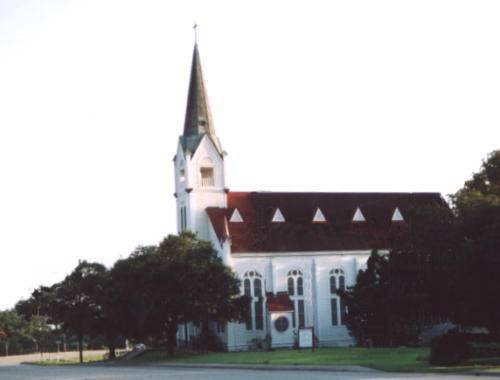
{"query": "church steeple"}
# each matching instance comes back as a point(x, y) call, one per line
point(198, 121)
point(199, 163)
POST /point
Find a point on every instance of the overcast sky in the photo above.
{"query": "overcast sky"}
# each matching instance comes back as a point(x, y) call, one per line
point(306, 96)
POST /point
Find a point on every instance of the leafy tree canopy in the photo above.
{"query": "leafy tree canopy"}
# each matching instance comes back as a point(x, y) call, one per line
point(483, 188)
point(477, 205)
point(402, 292)
point(19, 335)
point(181, 280)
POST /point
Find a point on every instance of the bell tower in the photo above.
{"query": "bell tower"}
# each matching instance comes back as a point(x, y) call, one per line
point(199, 161)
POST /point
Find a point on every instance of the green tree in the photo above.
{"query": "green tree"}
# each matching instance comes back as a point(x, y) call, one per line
point(368, 303)
point(477, 206)
point(410, 288)
point(17, 338)
point(42, 302)
point(77, 301)
point(40, 332)
point(182, 280)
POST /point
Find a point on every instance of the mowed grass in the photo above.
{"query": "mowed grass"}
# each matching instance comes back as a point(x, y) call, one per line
point(68, 361)
point(385, 359)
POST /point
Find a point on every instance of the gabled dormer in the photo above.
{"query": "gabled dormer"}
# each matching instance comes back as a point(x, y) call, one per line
point(358, 216)
point(278, 216)
point(319, 217)
point(397, 216)
point(236, 217)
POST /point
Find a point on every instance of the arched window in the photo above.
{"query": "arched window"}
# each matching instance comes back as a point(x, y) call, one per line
point(295, 283)
point(291, 287)
point(300, 286)
point(338, 309)
point(254, 289)
point(247, 291)
point(257, 287)
point(333, 285)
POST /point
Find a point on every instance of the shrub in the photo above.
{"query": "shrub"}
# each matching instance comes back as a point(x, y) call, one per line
point(207, 341)
point(449, 349)
point(485, 350)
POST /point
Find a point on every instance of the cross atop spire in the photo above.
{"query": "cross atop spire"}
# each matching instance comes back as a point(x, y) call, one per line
point(198, 121)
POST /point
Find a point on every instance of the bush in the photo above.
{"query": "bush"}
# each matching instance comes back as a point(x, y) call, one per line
point(258, 344)
point(485, 350)
point(449, 349)
point(206, 342)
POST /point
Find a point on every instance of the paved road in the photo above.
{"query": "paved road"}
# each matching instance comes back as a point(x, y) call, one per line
point(28, 372)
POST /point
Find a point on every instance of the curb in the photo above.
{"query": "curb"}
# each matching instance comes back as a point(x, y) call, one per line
point(269, 367)
point(483, 374)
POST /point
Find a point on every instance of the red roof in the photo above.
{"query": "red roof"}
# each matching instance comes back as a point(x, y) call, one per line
point(298, 233)
point(218, 217)
point(279, 302)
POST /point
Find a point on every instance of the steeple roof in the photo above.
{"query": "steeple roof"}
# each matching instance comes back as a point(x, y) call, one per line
point(198, 121)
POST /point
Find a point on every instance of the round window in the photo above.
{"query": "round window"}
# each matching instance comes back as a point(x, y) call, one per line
point(281, 324)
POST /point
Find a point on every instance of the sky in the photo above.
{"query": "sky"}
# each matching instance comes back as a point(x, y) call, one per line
point(305, 96)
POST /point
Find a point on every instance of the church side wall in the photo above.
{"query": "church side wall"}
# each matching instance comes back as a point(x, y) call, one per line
point(317, 298)
point(239, 337)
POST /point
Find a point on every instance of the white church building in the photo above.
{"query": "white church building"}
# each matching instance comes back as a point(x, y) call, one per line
point(292, 251)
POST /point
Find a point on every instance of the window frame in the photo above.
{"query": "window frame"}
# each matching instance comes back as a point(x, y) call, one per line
point(207, 181)
point(255, 319)
point(338, 310)
point(295, 277)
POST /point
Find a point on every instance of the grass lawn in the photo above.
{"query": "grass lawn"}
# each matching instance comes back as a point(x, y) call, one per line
point(76, 360)
point(386, 359)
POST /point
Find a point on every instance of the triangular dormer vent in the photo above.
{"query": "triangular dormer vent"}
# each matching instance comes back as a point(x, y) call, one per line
point(319, 216)
point(358, 216)
point(278, 217)
point(397, 216)
point(236, 217)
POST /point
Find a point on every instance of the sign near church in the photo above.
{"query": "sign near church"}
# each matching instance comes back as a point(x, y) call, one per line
point(306, 337)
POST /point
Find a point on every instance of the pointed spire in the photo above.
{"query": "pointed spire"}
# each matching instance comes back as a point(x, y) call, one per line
point(198, 121)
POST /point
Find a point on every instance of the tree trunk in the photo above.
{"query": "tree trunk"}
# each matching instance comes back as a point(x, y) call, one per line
point(112, 349)
point(391, 342)
point(80, 347)
point(204, 335)
point(171, 338)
